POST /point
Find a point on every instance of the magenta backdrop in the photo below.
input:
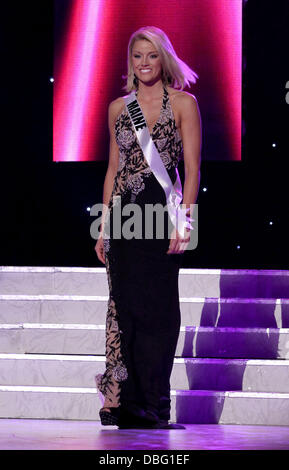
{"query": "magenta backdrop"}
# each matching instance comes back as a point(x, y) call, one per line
point(90, 59)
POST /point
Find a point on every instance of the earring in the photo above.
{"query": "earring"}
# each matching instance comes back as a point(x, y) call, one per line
point(135, 81)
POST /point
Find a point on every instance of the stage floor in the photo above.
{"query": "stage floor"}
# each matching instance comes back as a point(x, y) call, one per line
point(31, 434)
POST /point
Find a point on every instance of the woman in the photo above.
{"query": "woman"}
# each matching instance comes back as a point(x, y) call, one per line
point(143, 317)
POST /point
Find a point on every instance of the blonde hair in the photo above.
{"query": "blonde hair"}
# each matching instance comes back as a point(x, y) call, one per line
point(176, 73)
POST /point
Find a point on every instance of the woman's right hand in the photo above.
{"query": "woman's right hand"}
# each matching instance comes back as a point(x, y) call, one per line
point(99, 248)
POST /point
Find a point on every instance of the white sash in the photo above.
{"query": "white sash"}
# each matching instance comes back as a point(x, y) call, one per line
point(173, 192)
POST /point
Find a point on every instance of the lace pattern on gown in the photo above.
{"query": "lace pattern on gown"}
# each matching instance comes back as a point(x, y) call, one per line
point(132, 176)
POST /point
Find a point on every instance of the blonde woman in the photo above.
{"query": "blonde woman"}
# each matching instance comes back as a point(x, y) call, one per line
point(143, 316)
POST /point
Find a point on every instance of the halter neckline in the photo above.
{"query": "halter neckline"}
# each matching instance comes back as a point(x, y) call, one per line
point(165, 94)
point(165, 91)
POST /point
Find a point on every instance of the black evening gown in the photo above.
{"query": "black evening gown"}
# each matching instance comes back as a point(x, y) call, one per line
point(143, 315)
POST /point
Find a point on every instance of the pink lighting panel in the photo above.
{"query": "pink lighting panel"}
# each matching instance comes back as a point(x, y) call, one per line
point(91, 38)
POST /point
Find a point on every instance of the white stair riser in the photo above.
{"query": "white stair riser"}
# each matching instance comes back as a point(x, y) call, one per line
point(220, 409)
point(194, 374)
point(199, 283)
point(85, 282)
point(53, 311)
point(208, 408)
point(211, 312)
point(194, 342)
point(244, 343)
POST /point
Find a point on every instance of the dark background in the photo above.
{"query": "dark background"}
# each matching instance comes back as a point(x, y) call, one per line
point(44, 221)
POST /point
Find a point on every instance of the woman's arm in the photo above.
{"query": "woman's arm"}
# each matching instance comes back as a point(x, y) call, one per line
point(113, 111)
point(191, 132)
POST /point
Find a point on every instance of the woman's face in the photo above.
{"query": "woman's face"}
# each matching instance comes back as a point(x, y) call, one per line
point(146, 61)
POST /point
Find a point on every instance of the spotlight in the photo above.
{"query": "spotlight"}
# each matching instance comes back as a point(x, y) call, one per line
point(273, 145)
point(204, 189)
point(238, 247)
point(51, 79)
point(88, 209)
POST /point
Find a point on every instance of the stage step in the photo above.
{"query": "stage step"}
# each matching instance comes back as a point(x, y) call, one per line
point(259, 343)
point(187, 374)
point(199, 407)
point(197, 311)
point(232, 357)
point(192, 282)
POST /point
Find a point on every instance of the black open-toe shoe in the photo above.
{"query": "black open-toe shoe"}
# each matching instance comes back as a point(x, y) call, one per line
point(109, 418)
point(167, 425)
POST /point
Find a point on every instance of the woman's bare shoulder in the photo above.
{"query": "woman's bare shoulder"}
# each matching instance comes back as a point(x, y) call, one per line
point(115, 108)
point(181, 97)
point(116, 105)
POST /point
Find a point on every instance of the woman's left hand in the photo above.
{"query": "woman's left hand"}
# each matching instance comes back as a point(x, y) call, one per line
point(178, 244)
